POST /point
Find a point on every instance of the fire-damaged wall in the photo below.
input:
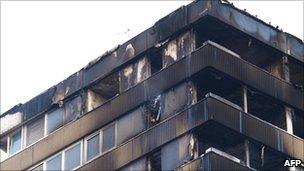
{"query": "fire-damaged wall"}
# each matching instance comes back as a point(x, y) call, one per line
point(101, 91)
point(134, 73)
point(177, 152)
point(93, 100)
point(146, 87)
point(177, 99)
point(178, 48)
point(170, 102)
point(164, 29)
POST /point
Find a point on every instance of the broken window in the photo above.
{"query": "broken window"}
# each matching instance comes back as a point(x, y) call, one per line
point(222, 139)
point(266, 108)
point(275, 67)
point(72, 157)
point(296, 71)
point(153, 111)
point(178, 48)
point(54, 120)
point(140, 164)
point(72, 109)
point(155, 58)
point(155, 161)
point(15, 142)
point(176, 153)
point(34, 131)
point(170, 102)
point(134, 73)
point(298, 123)
point(55, 163)
point(92, 146)
point(102, 91)
point(130, 125)
point(108, 137)
point(3, 148)
point(177, 99)
point(247, 48)
point(211, 81)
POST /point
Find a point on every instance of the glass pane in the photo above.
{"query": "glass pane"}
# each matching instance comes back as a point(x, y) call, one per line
point(108, 138)
point(72, 109)
point(72, 157)
point(54, 120)
point(15, 144)
point(175, 153)
point(54, 163)
point(40, 167)
point(130, 125)
point(92, 147)
point(35, 131)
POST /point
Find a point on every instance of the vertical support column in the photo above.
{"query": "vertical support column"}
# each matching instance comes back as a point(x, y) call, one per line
point(288, 111)
point(289, 119)
point(245, 108)
point(247, 154)
point(245, 102)
point(286, 73)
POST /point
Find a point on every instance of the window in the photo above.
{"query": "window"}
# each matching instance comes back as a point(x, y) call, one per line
point(108, 138)
point(130, 125)
point(72, 109)
point(38, 168)
point(54, 120)
point(34, 131)
point(15, 142)
point(3, 148)
point(140, 164)
point(54, 163)
point(93, 148)
point(72, 157)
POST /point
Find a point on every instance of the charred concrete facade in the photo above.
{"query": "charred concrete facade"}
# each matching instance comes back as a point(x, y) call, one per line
point(208, 87)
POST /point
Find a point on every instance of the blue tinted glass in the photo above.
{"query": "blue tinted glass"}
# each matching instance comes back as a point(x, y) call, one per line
point(54, 163)
point(72, 157)
point(108, 138)
point(93, 147)
point(54, 120)
point(15, 144)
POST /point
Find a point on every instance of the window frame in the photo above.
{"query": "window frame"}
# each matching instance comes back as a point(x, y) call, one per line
point(52, 157)
point(81, 154)
point(83, 149)
point(86, 139)
point(47, 123)
point(9, 141)
point(115, 136)
point(25, 130)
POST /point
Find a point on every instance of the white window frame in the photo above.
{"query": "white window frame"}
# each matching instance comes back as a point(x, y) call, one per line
point(31, 168)
point(81, 154)
point(86, 146)
point(115, 136)
point(9, 141)
point(83, 148)
point(46, 120)
point(50, 158)
point(25, 132)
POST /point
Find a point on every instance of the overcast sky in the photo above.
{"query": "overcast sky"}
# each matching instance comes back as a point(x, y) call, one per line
point(43, 43)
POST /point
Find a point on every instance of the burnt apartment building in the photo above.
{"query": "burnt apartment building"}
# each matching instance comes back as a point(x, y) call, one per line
point(208, 87)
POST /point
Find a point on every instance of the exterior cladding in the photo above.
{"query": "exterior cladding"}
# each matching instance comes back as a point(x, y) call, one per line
point(212, 161)
point(164, 28)
point(206, 57)
point(209, 109)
